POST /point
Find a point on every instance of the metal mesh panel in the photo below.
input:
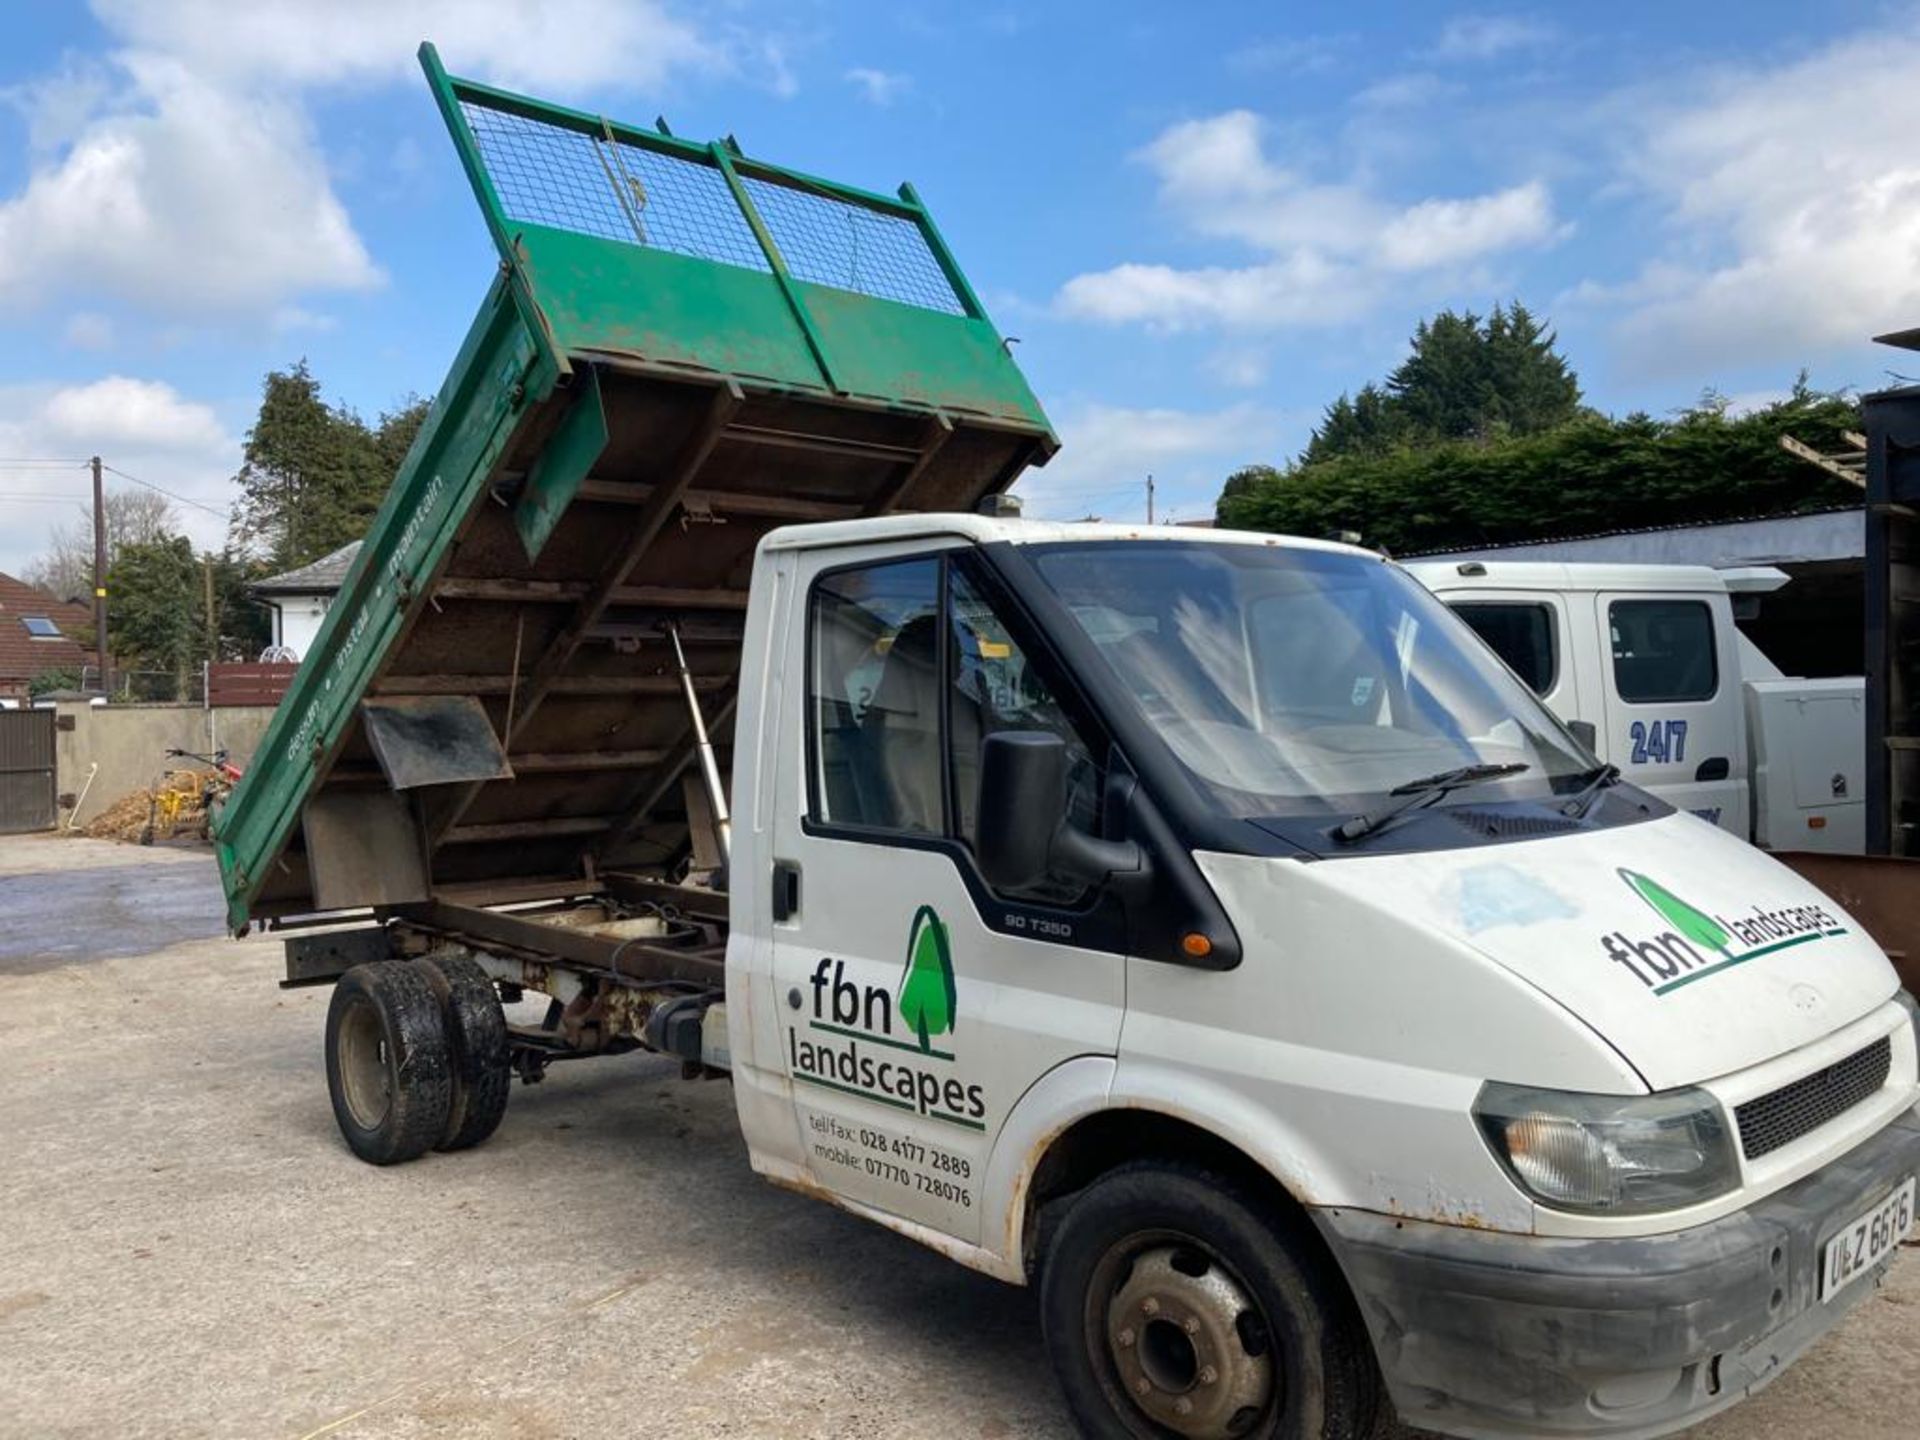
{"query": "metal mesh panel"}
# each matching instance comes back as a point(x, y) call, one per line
point(557, 176)
point(834, 242)
point(1782, 1116)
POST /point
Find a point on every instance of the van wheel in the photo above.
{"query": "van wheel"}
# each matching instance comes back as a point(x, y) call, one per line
point(477, 1038)
point(1174, 1305)
point(388, 1065)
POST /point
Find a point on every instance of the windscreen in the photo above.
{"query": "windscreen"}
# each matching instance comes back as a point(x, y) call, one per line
point(1296, 682)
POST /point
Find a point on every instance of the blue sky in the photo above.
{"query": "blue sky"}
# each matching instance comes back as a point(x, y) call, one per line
point(1203, 221)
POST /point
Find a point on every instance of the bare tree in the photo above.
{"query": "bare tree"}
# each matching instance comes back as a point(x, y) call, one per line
point(65, 567)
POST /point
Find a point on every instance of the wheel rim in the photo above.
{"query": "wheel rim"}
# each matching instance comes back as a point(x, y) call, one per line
point(366, 1079)
point(1189, 1348)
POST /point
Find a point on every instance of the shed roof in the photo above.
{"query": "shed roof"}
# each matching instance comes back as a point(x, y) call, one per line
point(1815, 535)
point(324, 576)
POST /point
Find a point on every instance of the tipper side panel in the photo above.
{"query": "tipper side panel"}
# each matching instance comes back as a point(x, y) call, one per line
point(500, 366)
point(685, 348)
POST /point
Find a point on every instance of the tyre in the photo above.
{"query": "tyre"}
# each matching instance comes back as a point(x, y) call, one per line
point(477, 1039)
point(1177, 1303)
point(389, 1069)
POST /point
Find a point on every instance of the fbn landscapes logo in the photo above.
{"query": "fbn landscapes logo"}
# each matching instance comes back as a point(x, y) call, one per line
point(851, 1045)
point(1697, 944)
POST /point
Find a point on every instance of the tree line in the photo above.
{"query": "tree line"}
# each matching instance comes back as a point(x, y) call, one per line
point(312, 474)
point(1481, 436)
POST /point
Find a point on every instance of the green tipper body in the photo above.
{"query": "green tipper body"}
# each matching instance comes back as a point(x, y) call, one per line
point(684, 347)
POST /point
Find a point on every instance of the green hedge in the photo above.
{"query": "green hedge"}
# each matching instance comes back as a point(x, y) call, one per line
point(1591, 475)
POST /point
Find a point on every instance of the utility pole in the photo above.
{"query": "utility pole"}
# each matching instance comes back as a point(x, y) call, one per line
point(213, 627)
point(1149, 499)
point(100, 572)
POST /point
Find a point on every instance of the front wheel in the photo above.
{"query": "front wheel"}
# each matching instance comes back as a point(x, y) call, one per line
point(1176, 1303)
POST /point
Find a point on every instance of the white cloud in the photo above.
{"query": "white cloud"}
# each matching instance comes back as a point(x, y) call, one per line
point(88, 330)
point(1404, 92)
point(143, 427)
point(1446, 232)
point(1486, 37)
point(1240, 367)
point(181, 172)
point(1793, 223)
point(563, 45)
point(1293, 54)
point(1302, 290)
point(123, 411)
point(59, 106)
point(1330, 249)
point(878, 87)
point(189, 198)
point(1107, 452)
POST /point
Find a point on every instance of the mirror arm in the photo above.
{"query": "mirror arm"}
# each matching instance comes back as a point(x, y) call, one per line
point(1121, 862)
point(1109, 859)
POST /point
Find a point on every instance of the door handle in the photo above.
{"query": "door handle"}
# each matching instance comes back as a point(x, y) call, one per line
point(1715, 769)
point(786, 889)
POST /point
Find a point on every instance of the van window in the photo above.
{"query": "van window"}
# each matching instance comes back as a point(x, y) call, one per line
point(876, 697)
point(1663, 650)
point(1522, 634)
point(901, 704)
point(995, 688)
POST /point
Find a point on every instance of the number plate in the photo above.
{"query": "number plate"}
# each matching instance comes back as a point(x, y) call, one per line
point(1866, 1242)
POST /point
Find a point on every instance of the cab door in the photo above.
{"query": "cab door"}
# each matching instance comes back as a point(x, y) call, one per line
point(915, 1006)
point(1675, 724)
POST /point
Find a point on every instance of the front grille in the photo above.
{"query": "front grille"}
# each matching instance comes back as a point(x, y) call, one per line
point(1782, 1116)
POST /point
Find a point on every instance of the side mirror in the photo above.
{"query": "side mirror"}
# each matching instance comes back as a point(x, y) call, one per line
point(1583, 731)
point(1022, 831)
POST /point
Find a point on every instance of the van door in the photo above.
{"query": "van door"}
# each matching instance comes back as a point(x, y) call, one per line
point(1673, 707)
point(915, 1006)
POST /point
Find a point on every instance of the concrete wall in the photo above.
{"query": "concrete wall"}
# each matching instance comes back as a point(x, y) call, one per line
point(129, 743)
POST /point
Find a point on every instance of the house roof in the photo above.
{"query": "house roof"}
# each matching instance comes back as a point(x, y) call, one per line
point(324, 576)
point(22, 655)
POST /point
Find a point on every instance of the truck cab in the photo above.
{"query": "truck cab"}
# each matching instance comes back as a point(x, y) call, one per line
point(1648, 655)
point(1075, 844)
point(1647, 661)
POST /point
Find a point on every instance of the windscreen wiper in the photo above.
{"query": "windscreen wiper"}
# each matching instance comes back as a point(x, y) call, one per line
point(1424, 791)
point(1588, 795)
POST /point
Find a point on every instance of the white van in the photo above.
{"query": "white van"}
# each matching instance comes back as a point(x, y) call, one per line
point(1647, 663)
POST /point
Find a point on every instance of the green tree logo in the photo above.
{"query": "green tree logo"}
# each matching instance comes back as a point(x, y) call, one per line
point(927, 996)
point(1692, 924)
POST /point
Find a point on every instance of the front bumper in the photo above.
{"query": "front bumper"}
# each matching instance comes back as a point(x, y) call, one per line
point(1487, 1334)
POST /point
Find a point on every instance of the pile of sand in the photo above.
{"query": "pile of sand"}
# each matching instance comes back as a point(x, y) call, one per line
point(140, 818)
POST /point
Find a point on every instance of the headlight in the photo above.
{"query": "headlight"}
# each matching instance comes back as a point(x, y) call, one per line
point(1912, 1007)
point(1610, 1154)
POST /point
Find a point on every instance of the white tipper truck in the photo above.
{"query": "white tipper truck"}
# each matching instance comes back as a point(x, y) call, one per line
point(1647, 663)
point(1205, 930)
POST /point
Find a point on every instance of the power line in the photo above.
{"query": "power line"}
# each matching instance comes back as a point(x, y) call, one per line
point(170, 494)
point(29, 464)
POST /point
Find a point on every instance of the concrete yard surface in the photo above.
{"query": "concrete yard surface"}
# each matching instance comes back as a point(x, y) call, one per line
point(190, 1250)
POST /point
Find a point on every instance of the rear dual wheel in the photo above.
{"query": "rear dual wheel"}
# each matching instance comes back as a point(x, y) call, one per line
point(417, 1057)
point(478, 1049)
